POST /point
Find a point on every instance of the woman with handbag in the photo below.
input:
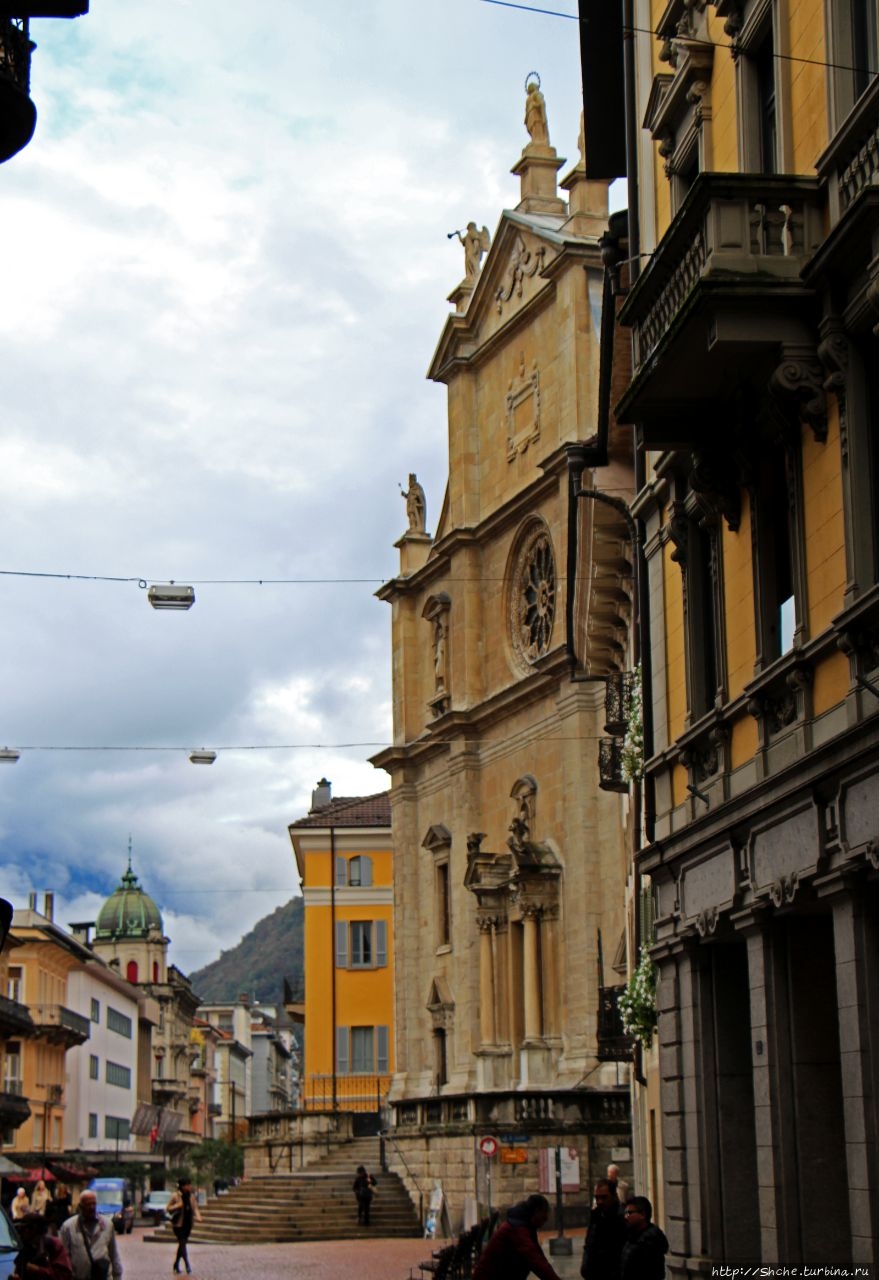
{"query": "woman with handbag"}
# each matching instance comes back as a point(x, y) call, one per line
point(183, 1211)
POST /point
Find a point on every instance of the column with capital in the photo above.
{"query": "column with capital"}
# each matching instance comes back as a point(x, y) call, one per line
point(487, 1021)
point(531, 973)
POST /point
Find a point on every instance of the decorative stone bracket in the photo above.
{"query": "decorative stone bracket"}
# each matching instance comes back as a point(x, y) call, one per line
point(797, 387)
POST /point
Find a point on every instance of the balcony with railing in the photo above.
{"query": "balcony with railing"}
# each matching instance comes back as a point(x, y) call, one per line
point(14, 1106)
point(723, 284)
point(58, 1025)
point(15, 1018)
point(18, 115)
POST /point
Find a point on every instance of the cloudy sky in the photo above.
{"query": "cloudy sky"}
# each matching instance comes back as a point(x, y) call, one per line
point(225, 271)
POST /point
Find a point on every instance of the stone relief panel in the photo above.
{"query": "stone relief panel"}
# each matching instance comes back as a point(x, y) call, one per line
point(523, 410)
point(860, 813)
point(708, 886)
point(783, 852)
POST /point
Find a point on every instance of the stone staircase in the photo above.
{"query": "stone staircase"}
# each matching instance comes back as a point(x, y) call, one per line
point(314, 1204)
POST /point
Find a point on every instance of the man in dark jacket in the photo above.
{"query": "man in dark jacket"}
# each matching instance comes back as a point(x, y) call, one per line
point(646, 1246)
point(514, 1251)
point(605, 1237)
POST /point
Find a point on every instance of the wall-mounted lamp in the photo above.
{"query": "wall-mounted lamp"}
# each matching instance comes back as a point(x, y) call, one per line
point(202, 757)
point(171, 595)
point(8, 755)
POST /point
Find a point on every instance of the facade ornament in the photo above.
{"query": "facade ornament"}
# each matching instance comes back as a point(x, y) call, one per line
point(416, 506)
point(797, 386)
point(732, 11)
point(872, 853)
point(833, 352)
point(678, 527)
point(784, 889)
point(524, 793)
point(436, 612)
point(532, 597)
point(519, 835)
point(523, 266)
point(713, 482)
point(523, 410)
point(475, 243)
point(706, 921)
point(535, 111)
point(474, 843)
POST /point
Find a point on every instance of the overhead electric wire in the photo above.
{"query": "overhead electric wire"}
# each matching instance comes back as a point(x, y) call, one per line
point(713, 44)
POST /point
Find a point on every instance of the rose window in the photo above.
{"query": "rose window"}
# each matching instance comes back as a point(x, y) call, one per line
point(533, 599)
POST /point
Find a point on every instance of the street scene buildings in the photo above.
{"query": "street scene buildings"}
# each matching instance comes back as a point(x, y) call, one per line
point(620, 904)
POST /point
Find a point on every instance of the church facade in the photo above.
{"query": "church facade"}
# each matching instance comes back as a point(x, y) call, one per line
point(510, 860)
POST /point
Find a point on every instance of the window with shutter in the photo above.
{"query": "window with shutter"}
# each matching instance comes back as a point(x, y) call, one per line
point(381, 1050)
point(341, 872)
point(342, 1058)
point(341, 944)
point(381, 943)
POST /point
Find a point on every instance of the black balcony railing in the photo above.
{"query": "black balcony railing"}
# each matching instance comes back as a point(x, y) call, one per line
point(15, 1018)
point(348, 1093)
point(613, 1043)
point(617, 696)
point(60, 1025)
point(14, 1106)
point(610, 765)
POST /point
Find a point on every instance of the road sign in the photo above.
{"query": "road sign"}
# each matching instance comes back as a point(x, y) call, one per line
point(488, 1146)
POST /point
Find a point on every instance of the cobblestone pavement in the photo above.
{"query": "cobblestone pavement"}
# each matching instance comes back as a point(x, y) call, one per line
point(321, 1260)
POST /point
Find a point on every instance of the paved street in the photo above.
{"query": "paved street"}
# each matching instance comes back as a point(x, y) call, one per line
point(327, 1260)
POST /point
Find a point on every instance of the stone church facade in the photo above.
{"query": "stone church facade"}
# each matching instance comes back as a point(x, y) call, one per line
point(511, 861)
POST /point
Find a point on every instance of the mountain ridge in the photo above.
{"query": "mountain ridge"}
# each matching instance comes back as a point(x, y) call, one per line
point(260, 964)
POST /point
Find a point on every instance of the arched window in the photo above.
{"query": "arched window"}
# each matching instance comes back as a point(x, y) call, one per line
point(360, 872)
point(131, 971)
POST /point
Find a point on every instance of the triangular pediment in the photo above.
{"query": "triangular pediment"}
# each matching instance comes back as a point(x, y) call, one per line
point(515, 272)
point(440, 997)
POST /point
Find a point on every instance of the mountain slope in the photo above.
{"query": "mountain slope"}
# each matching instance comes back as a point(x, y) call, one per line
point(264, 958)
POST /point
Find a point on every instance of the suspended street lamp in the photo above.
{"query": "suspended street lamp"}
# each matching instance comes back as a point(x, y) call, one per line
point(8, 755)
point(171, 595)
point(202, 757)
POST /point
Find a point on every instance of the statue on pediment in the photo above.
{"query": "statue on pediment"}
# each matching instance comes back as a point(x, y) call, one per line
point(475, 243)
point(416, 505)
point(535, 113)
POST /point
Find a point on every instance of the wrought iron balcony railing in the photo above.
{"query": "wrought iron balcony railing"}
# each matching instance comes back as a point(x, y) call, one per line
point(14, 1106)
point(15, 1018)
point(618, 693)
point(610, 765)
point(613, 1043)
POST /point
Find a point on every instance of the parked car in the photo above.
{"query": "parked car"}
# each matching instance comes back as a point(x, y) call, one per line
point(9, 1246)
point(115, 1201)
point(154, 1206)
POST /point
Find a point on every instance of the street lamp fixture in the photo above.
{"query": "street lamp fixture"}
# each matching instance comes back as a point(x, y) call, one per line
point(171, 595)
point(8, 755)
point(202, 757)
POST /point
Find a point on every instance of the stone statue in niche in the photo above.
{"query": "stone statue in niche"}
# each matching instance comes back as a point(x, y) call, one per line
point(475, 243)
point(439, 652)
point(535, 114)
point(416, 506)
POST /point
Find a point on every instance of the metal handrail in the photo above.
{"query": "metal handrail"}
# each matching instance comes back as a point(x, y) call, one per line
point(385, 1136)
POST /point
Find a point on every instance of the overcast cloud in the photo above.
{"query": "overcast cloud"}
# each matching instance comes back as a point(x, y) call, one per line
point(225, 271)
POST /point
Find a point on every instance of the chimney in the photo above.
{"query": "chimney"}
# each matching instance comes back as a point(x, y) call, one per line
point(321, 796)
point(49, 906)
point(32, 902)
point(82, 931)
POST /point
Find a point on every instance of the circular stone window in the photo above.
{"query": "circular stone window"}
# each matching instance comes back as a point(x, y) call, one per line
point(532, 596)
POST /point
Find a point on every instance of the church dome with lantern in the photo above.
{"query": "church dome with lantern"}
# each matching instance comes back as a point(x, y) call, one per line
point(129, 912)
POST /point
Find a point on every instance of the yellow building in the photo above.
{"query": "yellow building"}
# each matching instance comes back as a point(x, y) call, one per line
point(751, 139)
point(35, 1065)
point(345, 859)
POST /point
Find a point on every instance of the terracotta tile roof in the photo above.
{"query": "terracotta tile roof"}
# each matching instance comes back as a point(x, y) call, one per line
point(351, 811)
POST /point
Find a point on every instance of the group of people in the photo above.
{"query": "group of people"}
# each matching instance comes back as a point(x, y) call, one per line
point(83, 1245)
point(622, 1241)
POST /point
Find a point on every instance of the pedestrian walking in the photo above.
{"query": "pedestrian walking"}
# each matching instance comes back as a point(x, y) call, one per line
point(41, 1257)
point(643, 1256)
point(364, 1189)
point(514, 1250)
point(183, 1211)
point(605, 1235)
point(20, 1204)
point(90, 1242)
point(41, 1198)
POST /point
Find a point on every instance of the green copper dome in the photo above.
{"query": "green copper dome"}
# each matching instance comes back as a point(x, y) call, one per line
point(129, 912)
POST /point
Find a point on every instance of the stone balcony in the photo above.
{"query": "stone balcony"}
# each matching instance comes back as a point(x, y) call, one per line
point(15, 1018)
point(722, 288)
point(850, 164)
point(58, 1025)
point(14, 1106)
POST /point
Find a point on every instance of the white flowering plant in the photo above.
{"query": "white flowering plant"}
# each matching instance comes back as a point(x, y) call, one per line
point(638, 1002)
point(632, 758)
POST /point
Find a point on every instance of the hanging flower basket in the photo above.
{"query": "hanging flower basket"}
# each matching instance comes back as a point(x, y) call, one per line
point(638, 1001)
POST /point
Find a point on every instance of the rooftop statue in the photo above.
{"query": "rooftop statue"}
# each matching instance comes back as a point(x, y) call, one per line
point(535, 114)
point(475, 243)
point(416, 506)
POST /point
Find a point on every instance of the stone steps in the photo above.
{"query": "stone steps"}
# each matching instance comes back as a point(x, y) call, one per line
point(315, 1203)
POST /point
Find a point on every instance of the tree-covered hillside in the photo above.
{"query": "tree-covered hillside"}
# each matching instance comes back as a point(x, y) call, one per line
point(263, 959)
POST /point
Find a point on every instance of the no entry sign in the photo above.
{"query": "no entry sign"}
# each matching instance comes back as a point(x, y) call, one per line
point(488, 1146)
